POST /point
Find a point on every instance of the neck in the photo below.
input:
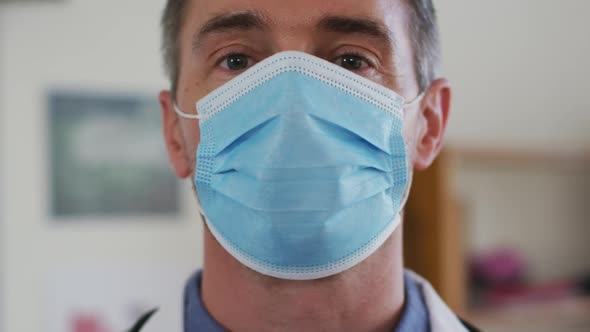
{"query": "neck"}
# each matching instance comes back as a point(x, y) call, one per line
point(367, 297)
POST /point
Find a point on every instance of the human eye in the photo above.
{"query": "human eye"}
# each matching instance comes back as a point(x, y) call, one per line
point(235, 62)
point(353, 62)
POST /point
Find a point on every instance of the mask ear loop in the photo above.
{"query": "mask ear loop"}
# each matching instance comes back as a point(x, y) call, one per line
point(192, 117)
point(410, 179)
point(187, 115)
point(200, 208)
point(416, 100)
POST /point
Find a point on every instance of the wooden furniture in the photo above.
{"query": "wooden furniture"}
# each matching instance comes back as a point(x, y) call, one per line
point(433, 232)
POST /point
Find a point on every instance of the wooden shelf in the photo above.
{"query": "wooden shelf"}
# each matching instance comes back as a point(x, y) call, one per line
point(567, 315)
point(552, 159)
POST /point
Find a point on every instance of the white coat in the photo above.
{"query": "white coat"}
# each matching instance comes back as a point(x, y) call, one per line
point(442, 318)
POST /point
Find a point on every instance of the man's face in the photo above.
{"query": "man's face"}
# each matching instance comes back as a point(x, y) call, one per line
point(222, 38)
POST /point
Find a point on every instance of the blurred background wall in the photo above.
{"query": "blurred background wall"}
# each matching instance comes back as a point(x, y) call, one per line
point(104, 45)
point(521, 122)
point(519, 70)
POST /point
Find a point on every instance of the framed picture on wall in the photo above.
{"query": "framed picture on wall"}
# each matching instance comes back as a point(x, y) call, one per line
point(108, 156)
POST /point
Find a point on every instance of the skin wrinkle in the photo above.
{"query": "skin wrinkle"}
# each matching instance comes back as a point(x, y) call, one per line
point(369, 296)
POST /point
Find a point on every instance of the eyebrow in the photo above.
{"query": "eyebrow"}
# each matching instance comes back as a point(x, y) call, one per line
point(244, 20)
point(359, 25)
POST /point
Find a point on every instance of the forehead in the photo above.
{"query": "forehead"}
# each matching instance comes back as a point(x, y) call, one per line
point(292, 16)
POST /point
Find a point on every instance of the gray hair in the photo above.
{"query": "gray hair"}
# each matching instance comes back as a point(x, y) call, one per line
point(422, 24)
point(172, 20)
point(425, 41)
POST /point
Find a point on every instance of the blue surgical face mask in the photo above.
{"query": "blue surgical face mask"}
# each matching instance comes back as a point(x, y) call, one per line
point(302, 169)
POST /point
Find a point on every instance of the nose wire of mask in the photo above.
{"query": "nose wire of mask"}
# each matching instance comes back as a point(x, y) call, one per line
point(302, 170)
point(197, 116)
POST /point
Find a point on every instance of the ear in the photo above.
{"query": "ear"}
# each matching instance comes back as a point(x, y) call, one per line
point(172, 136)
point(434, 113)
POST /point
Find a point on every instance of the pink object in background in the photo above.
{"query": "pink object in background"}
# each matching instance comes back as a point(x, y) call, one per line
point(88, 323)
point(500, 266)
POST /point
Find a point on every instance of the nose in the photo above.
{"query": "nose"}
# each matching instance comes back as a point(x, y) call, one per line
point(301, 41)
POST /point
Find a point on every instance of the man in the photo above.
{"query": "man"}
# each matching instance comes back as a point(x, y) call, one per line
point(310, 118)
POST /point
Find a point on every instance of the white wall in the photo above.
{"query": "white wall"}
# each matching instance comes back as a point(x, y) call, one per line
point(2, 232)
point(107, 44)
point(519, 70)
